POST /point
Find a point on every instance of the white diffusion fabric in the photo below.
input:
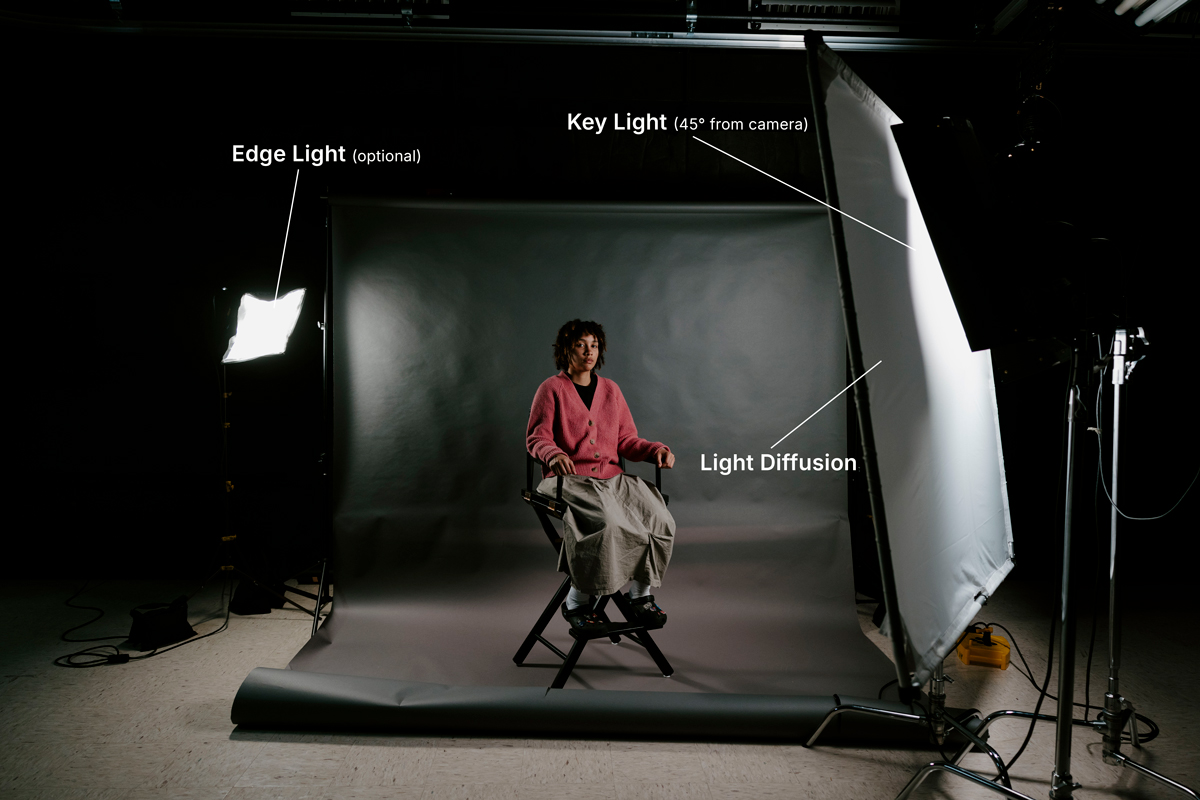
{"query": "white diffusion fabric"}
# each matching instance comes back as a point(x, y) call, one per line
point(933, 401)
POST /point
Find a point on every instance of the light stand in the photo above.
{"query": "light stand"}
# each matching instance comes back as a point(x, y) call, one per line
point(263, 328)
point(326, 414)
point(1118, 712)
point(229, 539)
point(1062, 785)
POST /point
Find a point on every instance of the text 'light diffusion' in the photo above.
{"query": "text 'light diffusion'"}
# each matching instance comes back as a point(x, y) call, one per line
point(263, 326)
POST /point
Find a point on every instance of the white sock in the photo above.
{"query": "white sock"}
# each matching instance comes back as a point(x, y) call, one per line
point(637, 590)
point(576, 598)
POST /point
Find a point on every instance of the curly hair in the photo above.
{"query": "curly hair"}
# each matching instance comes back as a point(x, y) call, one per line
point(571, 333)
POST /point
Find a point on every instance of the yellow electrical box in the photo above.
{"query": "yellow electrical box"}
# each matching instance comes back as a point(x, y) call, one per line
point(978, 646)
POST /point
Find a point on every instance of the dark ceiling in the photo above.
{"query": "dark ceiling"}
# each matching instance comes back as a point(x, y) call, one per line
point(978, 21)
point(122, 205)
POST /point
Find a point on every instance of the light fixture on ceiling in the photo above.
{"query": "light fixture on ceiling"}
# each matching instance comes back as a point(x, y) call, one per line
point(1151, 12)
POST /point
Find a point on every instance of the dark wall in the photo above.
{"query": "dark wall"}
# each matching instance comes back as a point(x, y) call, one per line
point(125, 216)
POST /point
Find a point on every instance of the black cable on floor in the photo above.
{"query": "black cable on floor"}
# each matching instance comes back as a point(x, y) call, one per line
point(1062, 463)
point(96, 658)
point(1037, 709)
point(1149, 722)
point(96, 618)
point(1002, 770)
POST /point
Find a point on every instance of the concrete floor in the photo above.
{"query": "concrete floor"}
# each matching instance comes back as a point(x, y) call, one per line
point(160, 730)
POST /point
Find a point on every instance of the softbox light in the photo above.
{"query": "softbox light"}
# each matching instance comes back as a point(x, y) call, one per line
point(263, 326)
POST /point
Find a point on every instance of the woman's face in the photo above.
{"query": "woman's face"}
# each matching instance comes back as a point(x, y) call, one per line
point(584, 354)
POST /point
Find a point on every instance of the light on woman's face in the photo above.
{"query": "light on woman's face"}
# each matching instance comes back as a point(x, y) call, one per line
point(584, 354)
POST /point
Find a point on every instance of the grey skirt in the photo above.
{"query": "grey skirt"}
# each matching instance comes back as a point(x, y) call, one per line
point(614, 531)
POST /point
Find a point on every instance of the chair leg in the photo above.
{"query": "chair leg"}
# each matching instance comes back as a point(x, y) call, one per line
point(564, 672)
point(645, 640)
point(543, 621)
point(664, 666)
point(599, 609)
point(642, 636)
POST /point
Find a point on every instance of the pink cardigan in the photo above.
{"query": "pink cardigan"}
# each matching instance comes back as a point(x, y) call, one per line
point(559, 422)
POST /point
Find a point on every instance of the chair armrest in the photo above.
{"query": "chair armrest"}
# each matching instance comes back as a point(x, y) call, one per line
point(657, 476)
point(530, 463)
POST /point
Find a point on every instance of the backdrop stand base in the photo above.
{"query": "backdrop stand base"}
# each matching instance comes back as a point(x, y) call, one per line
point(974, 733)
point(980, 730)
point(938, 721)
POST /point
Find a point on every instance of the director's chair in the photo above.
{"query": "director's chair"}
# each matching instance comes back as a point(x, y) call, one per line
point(556, 507)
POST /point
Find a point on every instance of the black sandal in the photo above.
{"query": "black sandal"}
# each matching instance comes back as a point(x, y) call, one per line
point(583, 618)
point(646, 612)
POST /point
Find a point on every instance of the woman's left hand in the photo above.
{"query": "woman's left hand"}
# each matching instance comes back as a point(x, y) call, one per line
point(664, 458)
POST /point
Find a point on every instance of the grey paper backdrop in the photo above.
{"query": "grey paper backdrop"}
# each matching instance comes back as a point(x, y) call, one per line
point(724, 332)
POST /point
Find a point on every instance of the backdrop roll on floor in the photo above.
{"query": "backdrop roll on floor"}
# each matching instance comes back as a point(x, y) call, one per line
point(724, 331)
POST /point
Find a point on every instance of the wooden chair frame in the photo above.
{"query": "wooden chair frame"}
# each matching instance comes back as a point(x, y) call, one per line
point(546, 507)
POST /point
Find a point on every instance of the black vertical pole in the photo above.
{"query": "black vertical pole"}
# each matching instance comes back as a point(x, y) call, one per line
point(326, 417)
point(862, 400)
point(1112, 698)
point(1062, 785)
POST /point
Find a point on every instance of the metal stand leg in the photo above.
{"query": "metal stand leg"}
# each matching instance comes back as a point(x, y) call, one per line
point(938, 721)
point(1126, 761)
point(1062, 786)
point(973, 740)
point(979, 780)
point(1116, 756)
point(841, 708)
point(995, 715)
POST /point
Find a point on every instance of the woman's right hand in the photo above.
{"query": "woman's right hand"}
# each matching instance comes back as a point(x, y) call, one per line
point(561, 465)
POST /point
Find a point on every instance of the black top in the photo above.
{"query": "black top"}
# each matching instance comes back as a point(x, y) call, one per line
point(586, 393)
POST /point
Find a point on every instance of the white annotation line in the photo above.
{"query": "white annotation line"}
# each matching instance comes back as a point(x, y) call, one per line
point(291, 208)
point(806, 194)
point(822, 408)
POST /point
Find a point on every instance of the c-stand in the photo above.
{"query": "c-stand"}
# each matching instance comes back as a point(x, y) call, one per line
point(1118, 712)
point(229, 562)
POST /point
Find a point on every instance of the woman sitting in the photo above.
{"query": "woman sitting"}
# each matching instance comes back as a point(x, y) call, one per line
point(617, 529)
